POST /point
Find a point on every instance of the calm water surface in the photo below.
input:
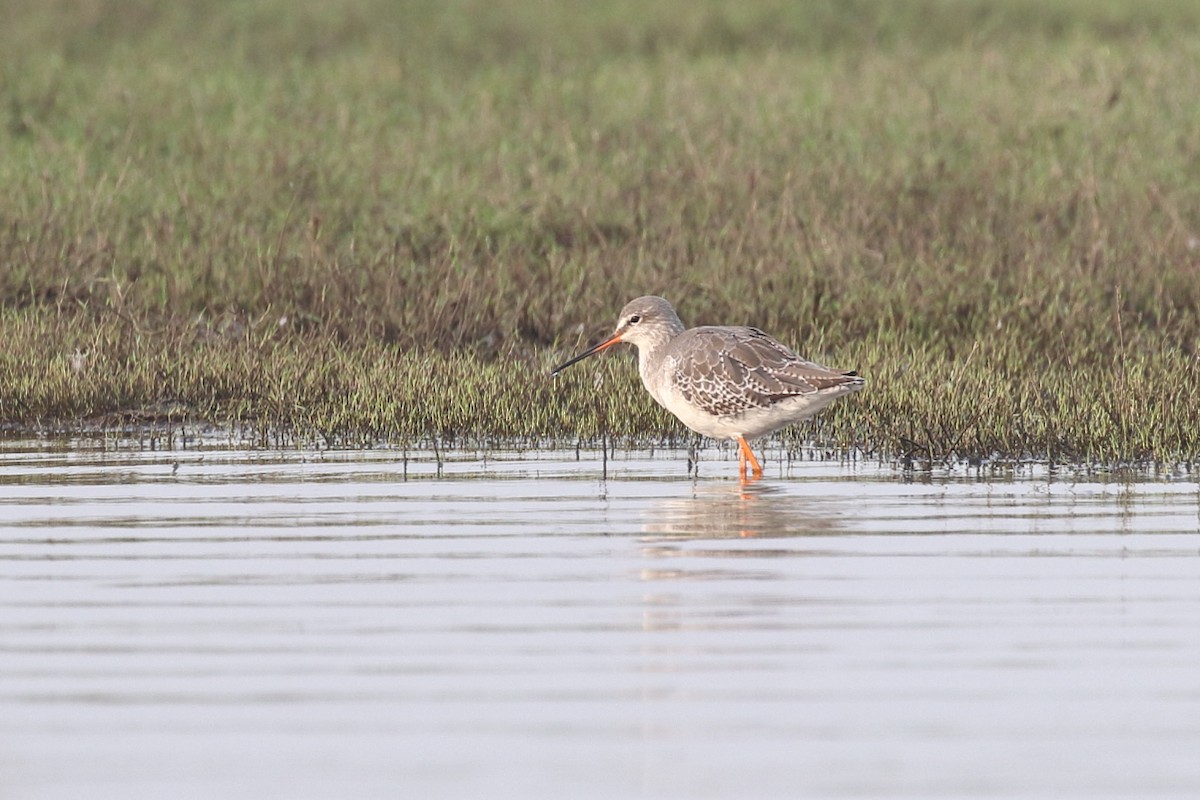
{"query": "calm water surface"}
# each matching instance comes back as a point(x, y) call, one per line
point(216, 623)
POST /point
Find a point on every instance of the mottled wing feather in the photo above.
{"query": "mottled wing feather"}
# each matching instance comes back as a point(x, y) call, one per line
point(726, 371)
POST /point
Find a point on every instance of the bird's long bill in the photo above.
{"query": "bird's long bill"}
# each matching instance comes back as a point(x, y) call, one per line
point(607, 343)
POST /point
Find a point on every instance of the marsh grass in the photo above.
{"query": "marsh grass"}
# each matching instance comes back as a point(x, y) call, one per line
point(363, 222)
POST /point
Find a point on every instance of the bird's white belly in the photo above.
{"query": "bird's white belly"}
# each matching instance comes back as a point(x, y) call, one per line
point(695, 418)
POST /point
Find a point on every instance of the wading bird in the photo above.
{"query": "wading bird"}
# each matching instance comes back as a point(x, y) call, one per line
point(724, 382)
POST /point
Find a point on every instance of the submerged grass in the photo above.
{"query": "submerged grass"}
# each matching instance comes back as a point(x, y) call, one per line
point(366, 221)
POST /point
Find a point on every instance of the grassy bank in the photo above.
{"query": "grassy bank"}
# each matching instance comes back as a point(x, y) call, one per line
point(365, 221)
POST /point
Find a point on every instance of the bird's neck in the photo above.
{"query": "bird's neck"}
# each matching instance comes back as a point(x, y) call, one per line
point(650, 349)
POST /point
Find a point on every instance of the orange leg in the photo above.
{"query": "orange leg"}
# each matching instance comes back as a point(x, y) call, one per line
point(746, 455)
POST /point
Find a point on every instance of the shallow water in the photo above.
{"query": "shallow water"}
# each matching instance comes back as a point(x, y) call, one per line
point(227, 623)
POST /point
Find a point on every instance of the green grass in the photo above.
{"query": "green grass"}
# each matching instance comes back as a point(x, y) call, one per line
point(366, 221)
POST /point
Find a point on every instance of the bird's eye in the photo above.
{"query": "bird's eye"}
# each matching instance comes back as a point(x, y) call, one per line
point(635, 319)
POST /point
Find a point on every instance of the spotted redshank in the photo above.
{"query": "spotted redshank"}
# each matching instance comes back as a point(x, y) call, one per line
point(724, 382)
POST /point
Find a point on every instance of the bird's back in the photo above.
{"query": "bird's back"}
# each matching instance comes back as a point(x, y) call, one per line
point(725, 371)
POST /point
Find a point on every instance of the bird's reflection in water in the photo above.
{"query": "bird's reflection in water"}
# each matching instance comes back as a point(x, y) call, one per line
point(731, 511)
point(730, 527)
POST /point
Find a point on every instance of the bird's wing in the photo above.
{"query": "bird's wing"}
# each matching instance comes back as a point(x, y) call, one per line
point(730, 370)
